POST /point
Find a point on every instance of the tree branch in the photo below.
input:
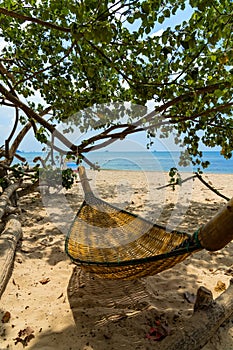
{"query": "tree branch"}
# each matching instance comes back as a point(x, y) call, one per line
point(96, 48)
point(31, 114)
point(8, 76)
point(4, 72)
point(46, 68)
point(22, 133)
point(34, 20)
point(190, 63)
point(5, 196)
point(8, 242)
point(211, 187)
point(7, 141)
point(147, 118)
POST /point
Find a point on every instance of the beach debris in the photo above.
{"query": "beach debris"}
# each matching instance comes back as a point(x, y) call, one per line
point(229, 272)
point(45, 280)
point(19, 260)
point(6, 317)
point(159, 331)
point(60, 296)
point(176, 315)
point(24, 336)
point(220, 286)
point(39, 217)
point(190, 297)
point(16, 284)
point(47, 241)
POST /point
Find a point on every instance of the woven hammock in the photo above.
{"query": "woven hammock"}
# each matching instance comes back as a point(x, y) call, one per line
point(115, 244)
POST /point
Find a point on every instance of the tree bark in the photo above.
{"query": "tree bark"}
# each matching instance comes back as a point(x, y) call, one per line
point(28, 188)
point(218, 232)
point(208, 316)
point(8, 242)
point(6, 195)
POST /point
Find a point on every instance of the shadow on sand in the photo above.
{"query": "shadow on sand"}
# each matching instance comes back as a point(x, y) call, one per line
point(117, 314)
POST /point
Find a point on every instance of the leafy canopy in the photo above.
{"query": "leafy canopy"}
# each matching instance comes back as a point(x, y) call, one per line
point(81, 53)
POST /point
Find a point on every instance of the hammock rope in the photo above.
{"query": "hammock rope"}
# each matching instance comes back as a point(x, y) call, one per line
point(113, 243)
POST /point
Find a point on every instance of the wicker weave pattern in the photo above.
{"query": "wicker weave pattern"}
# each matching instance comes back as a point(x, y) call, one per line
point(113, 243)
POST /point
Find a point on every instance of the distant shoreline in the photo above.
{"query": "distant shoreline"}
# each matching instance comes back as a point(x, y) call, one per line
point(159, 161)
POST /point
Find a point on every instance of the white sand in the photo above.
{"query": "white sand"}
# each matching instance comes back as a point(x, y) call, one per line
point(97, 315)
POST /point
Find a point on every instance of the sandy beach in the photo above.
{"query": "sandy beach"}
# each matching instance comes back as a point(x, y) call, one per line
point(68, 310)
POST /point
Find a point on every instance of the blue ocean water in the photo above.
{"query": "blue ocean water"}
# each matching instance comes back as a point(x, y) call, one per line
point(145, 161)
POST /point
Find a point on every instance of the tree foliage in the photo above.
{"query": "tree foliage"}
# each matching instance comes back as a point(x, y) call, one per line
point(77, 54)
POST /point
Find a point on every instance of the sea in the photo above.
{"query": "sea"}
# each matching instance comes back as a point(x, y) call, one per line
point(140, 161)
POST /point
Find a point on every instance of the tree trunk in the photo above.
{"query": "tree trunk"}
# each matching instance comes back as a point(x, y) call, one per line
point(218, 232)
point(8, 242)
point(207, 318)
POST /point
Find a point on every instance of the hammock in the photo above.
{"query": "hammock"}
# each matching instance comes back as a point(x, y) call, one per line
point(115, 244)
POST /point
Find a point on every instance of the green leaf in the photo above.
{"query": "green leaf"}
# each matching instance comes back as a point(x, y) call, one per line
point(161, 19)
point(145, 7)
point(185, 44)
point(166, 13)
point(130, 20)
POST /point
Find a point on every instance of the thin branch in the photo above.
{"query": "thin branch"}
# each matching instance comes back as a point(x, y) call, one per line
point(23, 132)
point(7, 104)
point(46, 68)
point(7, 141)
point(46, 111)
point(197, 92)
point(31, 114)
point(216, 109)
point(4, 72)
point(105, 134)
point(223, 127)
point(92, 165)
point(102, 145)
point(7, 76)
point(21, 172)
point(108, 9)
point(22, 159)
point(58, 149)
point(96, 48)
point(147, 118)
point(200, 114)
point(120, 136)
point(211, 187)
point(34, 20)
point(115, 9)
point(83, 64)
point(15, 124)
point(175, 184)
point(190, 63)
point(196, 175)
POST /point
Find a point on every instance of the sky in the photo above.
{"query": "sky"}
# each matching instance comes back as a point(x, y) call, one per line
point(133, 143)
